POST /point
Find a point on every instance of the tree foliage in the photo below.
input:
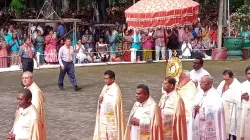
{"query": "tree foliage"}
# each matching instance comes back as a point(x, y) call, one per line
point(17, 5)
point(241, 18)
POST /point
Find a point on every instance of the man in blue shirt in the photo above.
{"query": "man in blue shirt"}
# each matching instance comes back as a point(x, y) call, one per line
point(60, 30)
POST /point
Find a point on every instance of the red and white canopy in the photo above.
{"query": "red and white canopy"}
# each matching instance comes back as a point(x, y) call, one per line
point(161, 13)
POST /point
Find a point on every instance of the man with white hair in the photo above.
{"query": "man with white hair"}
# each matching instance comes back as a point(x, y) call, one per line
point(37, 98)
point(207, 120)
point(187, 90)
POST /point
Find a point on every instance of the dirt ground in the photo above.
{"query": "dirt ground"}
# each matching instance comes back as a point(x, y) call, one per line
point(71, 115)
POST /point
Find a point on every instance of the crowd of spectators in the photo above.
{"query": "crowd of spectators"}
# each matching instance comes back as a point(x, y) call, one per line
point(94, 45)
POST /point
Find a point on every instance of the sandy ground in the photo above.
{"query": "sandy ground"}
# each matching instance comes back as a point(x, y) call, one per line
point(71, 115)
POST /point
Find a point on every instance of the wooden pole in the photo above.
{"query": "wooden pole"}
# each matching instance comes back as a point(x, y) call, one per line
point(221, 7)
point(78, 6)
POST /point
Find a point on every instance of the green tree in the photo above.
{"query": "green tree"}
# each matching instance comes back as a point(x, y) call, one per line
point(17, 5)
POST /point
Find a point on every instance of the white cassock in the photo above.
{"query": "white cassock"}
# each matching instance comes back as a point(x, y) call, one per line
point(244, 115)
point(231, 99)
point(196, 76)
point(209, 123)
point(27, 125)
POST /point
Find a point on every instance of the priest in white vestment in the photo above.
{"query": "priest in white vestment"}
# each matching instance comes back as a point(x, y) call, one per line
point(27, 125)
point(198, 72)
point(144, 121)
point(110, 118)
point(173, 113)
point(244, 110)
point(230, 91)
point(207, 121)
point(187, 90)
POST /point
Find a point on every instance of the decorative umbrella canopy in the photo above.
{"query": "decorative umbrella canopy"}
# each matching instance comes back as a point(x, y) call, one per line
point(161, 13)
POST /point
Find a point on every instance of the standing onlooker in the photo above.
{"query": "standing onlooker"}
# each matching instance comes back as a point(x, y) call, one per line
point(186, 49)
point(191, 29)
point(160, 45)
point(211, 46)
point(26, 54)
point(24, 36)
point(65, 57)
point(147, 46)
point(126, 46)
point(11, 30)
point(15, 49)
point(136, 42)
point(111, 43)
point(196, 48)
point(3, 53)
point(87, 40)
point(187, 35)
point(39, 46)
point(119, 38)
point(173, 40)
point(60, 30)
point(246, 34)
point(7, 37)
point(198, 27)
point(213, 33)
point(205, 36)
point(34, 30)
point(59, 45)
point(50, 48)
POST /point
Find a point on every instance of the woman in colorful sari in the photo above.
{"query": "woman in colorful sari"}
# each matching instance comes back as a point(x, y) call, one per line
point(14, 49)
point(39, 42)
point(136, 43)
point(3, 53)
point(112, 47)
point(147, 47)
point(50, 48)
point(126, 46)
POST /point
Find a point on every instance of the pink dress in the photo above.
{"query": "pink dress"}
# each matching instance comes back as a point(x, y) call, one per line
point(50, 50)
point(148, 44)
point(3, 56)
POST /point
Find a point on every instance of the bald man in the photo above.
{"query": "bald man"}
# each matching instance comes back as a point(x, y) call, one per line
point(27, 125)
point(207, 120)
point(37, 97)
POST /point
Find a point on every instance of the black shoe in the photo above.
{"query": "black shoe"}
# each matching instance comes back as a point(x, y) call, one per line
point(77, 88)
point(62, 89)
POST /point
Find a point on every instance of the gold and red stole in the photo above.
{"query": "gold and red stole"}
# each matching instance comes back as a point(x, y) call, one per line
point(153, 129)
point(110, 120)
point(173, 117)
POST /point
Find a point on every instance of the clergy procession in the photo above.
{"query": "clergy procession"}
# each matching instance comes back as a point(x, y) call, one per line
point(190, 108)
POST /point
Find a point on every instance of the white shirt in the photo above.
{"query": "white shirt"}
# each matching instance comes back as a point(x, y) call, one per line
point(196, 76)
point(82, 49)
point(186, 51)
point(34, 32)
point(22, 127)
